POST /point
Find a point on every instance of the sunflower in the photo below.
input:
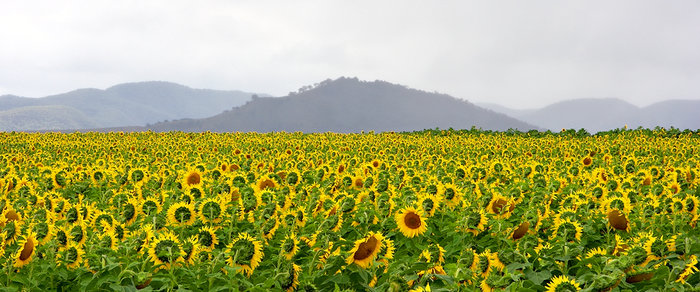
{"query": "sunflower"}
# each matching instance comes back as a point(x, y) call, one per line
point(24, 254)
point(429, 204)
point(618, 220)
point(568, 229)
point(165, 250)
point(71, 256)
point(208, 238)
point(501, 206)
point(181, 214)
point(265, 182)
point(12, 231)
point(521, 230)
point(586, 161)
point(291, 282)
point(481, 264)
point(191, 249)
point(77, 233)
point(411, 222)
point(192, 178)
point(562, 283)
point(149, 206)
point(244, 252)
point(365, 250)
point(452, 195)
point(212, 210)
point(475, 222)
point(690, 269)
point(129, 210)
point(289, 246)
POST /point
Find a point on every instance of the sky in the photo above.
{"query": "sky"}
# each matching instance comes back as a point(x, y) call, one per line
point(521, 54)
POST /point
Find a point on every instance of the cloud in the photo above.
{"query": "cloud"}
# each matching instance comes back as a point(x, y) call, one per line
point(516, 53)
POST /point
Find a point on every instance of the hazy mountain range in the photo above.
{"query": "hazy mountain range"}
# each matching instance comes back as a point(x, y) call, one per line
point(601, 114)
point(350, 105)
point(130, 104)
point(340, 105)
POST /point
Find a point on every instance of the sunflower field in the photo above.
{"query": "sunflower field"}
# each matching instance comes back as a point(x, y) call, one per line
point(423, 211)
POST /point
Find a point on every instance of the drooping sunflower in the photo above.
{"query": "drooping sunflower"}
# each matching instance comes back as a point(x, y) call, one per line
point(212, 210)
point(77, 232)
point(130, 210)
point(568, 230)
point(181, 214)
point(71, 256)
point(208, 238)
point(365, 250)
point(429, 204)
point(27, 249)
point(452, 195)
point(562, 283)
point(501, 206)
point(411, 222)
point(165, 250)
point(149, 206)
point(244, 252)
point(291, 282)
point(191, 250)
point(690, 269)
point(475, 221)
point(289, 246)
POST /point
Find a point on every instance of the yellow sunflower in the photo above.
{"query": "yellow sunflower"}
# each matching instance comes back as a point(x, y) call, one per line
point(191, 178)
point(289, 246)
point(165, 250)
point(291, 281)
point(411, 222)
point(71, 256)
point(27, 249)
point(208, 238)
point(244, 252)
point(212, 210)
point(501, 206)
point(365, 250)
point(181, 214)
point(562, 283)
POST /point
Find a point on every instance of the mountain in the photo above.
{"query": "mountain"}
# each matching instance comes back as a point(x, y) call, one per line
point(128, 104)
point(350, 105)
point(602, 114)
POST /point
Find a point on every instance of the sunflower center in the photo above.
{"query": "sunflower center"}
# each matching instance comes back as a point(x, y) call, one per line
point(565, 287)
point(193, 178)
point(11, 215)
point(499, 205)
point(412, 220)
point(366, 249)
point(27, 250)
point(267, 183)
point(617, 219)
point(587, 161)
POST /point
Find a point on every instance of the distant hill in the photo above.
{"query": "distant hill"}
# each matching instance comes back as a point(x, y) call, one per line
point(350, 105)
point(130, 104)
point(604, 114)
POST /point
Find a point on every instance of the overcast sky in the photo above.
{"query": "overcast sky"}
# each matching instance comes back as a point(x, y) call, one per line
point(521, 54)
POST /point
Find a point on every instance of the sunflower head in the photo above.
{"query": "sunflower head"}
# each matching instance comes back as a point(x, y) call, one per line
point(26, 251)
point(244, 252)
point(562, 283)
point(411, 222)
point(165, 250)
point(365, 250)
point(181, 214)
